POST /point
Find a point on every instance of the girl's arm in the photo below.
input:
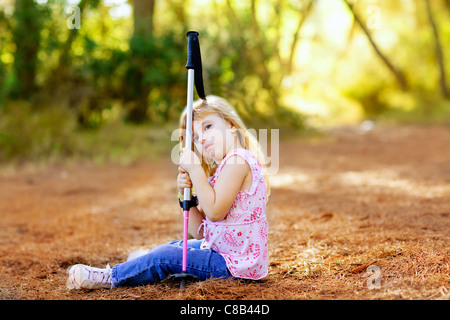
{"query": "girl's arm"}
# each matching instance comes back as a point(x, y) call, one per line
point(217, 201)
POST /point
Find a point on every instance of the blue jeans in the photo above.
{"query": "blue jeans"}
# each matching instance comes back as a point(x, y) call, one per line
point(165, 260)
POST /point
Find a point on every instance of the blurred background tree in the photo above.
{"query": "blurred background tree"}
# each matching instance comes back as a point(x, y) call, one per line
point(26, 35)
point(282, 63)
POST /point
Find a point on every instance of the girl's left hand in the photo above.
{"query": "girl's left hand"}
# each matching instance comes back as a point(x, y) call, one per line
point(189, 159)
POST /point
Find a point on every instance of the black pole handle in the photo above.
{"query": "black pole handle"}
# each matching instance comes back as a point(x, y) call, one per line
point(195, 62)
point(192, 47)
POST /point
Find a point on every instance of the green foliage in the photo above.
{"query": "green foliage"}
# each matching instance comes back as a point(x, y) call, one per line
point(93, 91)
point(25, 133)
point(52, 135)
point(154, 72)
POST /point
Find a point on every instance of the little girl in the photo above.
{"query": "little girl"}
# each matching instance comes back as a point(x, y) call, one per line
point(229, 223)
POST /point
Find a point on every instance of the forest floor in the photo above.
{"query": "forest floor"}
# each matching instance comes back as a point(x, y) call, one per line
point(354, 214)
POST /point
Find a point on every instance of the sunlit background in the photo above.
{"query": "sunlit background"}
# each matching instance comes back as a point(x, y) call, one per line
point(104, 69)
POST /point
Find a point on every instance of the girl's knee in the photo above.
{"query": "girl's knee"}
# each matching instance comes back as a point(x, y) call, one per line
point(177, 243)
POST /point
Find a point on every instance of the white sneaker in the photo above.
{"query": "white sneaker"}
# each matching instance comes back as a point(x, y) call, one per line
point(86, 277)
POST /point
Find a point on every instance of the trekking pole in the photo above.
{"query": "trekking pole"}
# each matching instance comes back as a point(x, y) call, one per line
point(195, 76)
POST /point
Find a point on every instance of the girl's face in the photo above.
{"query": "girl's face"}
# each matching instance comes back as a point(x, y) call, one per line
point(214, 137)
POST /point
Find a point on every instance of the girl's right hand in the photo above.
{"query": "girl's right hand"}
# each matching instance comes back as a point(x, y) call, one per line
point(183, 180)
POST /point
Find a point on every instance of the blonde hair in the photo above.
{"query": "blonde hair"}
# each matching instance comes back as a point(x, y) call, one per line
point(220, 107)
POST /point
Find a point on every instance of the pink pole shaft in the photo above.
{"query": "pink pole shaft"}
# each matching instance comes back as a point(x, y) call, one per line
point(185, 238)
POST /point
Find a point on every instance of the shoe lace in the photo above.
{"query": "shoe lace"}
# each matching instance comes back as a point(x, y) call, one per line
point(101, 276)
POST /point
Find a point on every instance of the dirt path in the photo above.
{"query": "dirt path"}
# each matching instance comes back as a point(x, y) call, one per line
point(338, 205)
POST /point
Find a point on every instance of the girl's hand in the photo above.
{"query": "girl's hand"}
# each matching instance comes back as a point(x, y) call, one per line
point(189, 160)
point(183, 180)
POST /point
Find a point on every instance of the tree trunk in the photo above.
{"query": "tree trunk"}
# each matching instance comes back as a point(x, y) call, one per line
point(261, 59)
point(26, 36)
point(295, 37)
point(399, 76)
point(439, 54)
point(65, 60)
point(137, 97)
point(143, 11)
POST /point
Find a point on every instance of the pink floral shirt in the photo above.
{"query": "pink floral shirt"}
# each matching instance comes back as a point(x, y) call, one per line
point(241, 237)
